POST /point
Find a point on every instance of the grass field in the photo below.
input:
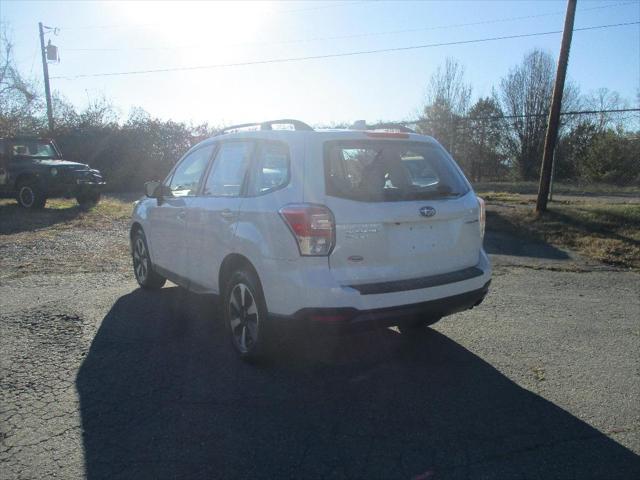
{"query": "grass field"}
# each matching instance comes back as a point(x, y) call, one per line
point(531, 188)
point(61, 213)
point(594, 227)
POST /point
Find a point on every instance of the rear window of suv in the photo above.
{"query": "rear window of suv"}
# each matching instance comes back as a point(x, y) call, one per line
point(373, 171)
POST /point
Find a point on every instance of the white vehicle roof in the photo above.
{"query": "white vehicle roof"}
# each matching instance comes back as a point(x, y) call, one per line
point(300, 129)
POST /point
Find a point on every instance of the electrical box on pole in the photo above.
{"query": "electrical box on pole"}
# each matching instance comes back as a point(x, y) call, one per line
point(52, 53)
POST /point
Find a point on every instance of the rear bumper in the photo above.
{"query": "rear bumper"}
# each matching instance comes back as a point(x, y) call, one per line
point(352, 319)
point(308, 284)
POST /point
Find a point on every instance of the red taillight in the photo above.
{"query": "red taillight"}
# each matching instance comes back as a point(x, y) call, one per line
point(312, 226)
point(387, 135)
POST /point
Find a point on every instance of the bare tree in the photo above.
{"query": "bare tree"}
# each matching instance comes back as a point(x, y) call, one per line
point(19, 103)
point(525, 95)
point(448, 89)
point(447, 101)
point(605, 99)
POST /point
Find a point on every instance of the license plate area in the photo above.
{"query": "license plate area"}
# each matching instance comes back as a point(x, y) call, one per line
point(418, 238)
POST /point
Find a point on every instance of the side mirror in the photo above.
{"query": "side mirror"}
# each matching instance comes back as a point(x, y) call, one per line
point(156, 189)
point(151, 189)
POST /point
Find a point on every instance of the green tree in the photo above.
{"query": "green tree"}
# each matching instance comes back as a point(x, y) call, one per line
point(486, 132)
point(572, 149)
point(613, 157)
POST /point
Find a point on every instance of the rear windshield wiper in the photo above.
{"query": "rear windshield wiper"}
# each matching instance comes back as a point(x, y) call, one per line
point(440, 192)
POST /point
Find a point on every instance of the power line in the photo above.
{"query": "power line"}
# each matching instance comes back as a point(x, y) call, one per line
point(535, 115)
point(336, 55)
point(348, 36)
point(570, 112)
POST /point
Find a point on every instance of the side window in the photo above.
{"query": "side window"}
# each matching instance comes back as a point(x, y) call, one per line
point(229, 169)
point(186, 177)
point(271, 168)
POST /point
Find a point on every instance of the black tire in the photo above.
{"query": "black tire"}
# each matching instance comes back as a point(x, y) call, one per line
point(246, 322)
point(416, 326)
point(29, 195)
point(88, 200)
point(146, 276)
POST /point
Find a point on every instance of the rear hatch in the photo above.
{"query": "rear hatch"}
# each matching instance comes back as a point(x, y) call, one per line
point(402, 211)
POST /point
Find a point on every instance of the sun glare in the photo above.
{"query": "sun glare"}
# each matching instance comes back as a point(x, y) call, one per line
point(222, 23)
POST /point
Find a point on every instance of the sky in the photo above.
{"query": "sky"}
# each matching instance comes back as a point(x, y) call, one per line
point(108, 37)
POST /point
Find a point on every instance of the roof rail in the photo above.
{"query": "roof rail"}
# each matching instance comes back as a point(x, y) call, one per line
point(297, 125)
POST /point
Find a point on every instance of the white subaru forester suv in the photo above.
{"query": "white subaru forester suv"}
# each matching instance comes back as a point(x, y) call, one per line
point(339, 227)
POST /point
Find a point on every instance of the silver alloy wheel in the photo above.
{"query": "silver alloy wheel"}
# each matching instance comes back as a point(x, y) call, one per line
point(140, 260)
point(27, 197)
point(243, 317)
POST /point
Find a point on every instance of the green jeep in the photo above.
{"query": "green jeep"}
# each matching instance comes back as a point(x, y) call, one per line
point(32, 169)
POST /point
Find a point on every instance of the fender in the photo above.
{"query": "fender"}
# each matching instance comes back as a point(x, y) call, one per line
point(140, 218)
point(250, 243)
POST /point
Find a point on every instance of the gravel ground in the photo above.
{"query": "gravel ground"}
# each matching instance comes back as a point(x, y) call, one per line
point(64, 240)
point(65, 251)
point(99, 379)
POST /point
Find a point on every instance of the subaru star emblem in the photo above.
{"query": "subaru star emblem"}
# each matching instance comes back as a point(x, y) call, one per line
point(427, 211)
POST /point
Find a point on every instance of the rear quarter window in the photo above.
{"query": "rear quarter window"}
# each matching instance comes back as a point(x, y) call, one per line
point(373, 171)
point(271, 168)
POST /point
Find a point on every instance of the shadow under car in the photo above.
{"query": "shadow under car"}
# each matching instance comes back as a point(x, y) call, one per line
point(162, 395)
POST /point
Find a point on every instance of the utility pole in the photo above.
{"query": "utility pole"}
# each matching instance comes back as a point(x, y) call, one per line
point(554, 115)
point(553, 176)
point(45, 71)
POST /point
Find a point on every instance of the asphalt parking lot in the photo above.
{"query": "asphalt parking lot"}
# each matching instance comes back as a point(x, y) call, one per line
point(103, 380)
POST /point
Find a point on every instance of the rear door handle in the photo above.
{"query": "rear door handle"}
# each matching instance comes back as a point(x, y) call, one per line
point(182, 214)
point(227, 214)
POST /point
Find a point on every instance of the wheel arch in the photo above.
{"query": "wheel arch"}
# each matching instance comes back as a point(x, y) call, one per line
point(25, 177)
point(135, 228)
point(233, 262)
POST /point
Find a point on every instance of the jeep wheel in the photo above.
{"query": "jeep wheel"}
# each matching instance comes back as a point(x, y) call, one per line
point(245, 315)
point(88, 200)
point(142, 267)
point(30, 195)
